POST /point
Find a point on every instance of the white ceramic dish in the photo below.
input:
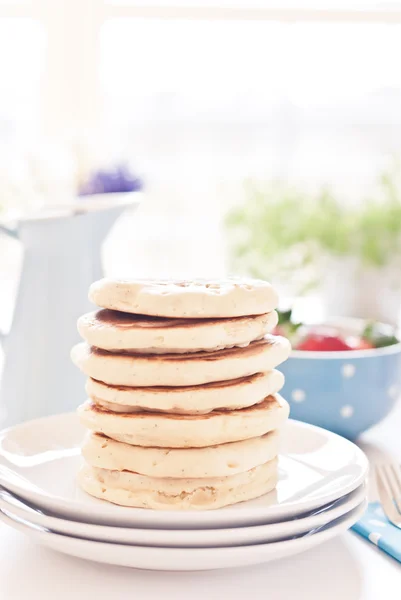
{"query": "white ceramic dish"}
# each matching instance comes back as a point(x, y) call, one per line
point(184, 559)
point(39, 461)
point(184, 538)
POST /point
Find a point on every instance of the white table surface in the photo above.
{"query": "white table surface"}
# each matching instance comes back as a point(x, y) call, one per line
point(346, 568)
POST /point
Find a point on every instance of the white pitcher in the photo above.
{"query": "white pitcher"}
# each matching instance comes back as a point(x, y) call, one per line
point(62, 257)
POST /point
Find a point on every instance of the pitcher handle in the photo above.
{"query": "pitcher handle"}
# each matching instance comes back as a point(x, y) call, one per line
point(13, 233)
point(8, 231)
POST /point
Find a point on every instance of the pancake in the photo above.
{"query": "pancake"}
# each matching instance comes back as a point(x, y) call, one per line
point(215, 461)
point(130, 489)
point(196, 298)
point(181, 369)
point(186, 431)
point(200, 399)
point(112, 330)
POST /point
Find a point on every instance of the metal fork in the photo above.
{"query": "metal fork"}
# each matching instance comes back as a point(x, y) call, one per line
point(388, 477)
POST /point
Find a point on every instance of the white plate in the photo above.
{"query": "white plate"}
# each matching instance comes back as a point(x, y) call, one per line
point(39, 461)
point(184, 559)
point(185, 538)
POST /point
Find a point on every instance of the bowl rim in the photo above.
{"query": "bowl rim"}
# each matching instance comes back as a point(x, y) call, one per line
point(353, 323)
point(347, 354)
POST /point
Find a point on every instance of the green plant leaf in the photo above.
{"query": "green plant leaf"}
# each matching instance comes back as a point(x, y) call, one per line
point(280, 227)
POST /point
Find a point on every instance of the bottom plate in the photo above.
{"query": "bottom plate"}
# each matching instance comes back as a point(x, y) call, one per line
point(189, 538)
point(184, 559)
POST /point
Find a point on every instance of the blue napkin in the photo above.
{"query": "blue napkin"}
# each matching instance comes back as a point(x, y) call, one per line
point(376, 528)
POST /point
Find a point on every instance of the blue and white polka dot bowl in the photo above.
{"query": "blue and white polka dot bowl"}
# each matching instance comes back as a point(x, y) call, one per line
point(346, 392)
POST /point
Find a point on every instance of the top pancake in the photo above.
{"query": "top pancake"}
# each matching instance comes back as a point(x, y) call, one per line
point(196, 298)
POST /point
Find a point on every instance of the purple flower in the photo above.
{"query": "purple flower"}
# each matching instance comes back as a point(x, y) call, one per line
point(118, 179)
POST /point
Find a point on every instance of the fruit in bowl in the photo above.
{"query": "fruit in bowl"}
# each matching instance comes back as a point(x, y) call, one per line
point(329, 338)
point(344, 375)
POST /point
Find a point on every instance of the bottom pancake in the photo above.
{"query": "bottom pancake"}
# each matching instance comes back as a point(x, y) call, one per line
point(212, 461)
point(130, 489)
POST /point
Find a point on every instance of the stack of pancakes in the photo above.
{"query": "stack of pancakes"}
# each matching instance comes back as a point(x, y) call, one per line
point(183, 406)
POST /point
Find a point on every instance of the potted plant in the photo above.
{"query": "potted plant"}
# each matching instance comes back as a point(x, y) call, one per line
point(350, 252)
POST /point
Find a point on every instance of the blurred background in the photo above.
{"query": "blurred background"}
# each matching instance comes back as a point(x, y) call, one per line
point(265, 136)
point(188, 138)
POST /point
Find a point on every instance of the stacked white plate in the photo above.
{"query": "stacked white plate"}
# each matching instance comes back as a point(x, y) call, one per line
point(321, 493)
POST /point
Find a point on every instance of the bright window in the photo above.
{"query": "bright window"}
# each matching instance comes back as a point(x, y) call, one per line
point(22, 59)
point(201, 95)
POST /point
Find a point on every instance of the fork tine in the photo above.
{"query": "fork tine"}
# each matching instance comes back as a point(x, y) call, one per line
point(393, 484)
point(386, 497)
point(397, 476)
point(382, 478)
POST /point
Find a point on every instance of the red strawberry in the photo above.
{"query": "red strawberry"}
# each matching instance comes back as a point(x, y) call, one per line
point(363, 345)
point(322, 343)
point(359, 343)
